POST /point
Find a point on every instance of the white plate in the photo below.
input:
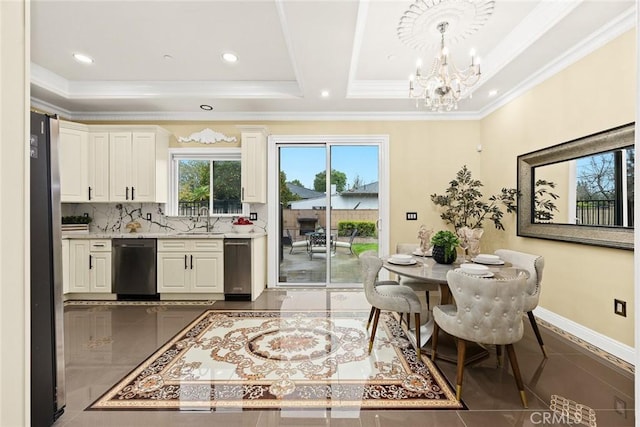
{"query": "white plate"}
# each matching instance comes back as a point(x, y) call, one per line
point(411, 262)
point(484, 276)
point(481, 261)
point(418, 252)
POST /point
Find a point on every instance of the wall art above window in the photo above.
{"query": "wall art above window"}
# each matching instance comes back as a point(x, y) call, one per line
point(207, 136)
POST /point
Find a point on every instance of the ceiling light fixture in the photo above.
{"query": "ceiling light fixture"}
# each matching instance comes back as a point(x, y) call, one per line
point(493, 93)
point(324, 93)
point(230, 57)
point(85, 59)
point(206, 107)
point(445, 84)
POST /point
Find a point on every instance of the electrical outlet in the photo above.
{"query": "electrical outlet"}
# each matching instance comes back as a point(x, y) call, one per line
point(149, 216)
point(412, 216)
point(253, 216)
point(620, 307)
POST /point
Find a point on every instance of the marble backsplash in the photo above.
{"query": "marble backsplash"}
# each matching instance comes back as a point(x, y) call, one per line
point(114, 217)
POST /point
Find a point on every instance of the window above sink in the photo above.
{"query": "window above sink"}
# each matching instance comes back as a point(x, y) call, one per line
point(205, 182)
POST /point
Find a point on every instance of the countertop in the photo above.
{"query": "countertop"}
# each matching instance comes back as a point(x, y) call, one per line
point(177, 235)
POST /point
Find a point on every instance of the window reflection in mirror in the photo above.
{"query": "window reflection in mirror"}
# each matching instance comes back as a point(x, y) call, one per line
point(595, 190)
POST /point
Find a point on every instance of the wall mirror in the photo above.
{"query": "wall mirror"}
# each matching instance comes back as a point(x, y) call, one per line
point(580, 191)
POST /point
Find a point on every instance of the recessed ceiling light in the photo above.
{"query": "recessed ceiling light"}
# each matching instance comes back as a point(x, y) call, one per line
point(230, 57)
point(85, 59)
point(206, 107)
point(324, 93)
point(391, 57)
point(167, 57)
point(493, 93)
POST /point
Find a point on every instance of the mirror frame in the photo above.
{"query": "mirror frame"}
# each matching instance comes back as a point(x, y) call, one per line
point(612, 237)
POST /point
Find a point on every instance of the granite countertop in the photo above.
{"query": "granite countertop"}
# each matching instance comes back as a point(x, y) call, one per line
point(176, 235)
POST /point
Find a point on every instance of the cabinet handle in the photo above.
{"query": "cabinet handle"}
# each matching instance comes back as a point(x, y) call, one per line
point(127, 193)
point(90, 262)
point(89, 193)
point(185, 262)
point(132, 193)
point(242, 194)
point(192, 262)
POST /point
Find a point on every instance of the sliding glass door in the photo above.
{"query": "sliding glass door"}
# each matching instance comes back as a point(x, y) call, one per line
point(328, 198)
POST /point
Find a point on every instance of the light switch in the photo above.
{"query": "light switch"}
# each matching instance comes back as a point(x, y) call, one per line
point(412, 216)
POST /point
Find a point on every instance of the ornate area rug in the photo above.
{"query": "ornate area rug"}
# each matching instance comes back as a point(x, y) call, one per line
point(275, 360)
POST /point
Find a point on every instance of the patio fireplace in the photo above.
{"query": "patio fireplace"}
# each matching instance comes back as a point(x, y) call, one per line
point(307, 225)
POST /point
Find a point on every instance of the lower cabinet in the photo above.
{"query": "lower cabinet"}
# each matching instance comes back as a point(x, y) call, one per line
point(89, 266)
point(190, 266)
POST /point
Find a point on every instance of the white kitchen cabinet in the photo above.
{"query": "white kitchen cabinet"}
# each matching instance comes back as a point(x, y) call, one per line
point(65, 266)
point(132, 166)
point(254, 164)
point(89, 266)
point(98, 167)
point(72, 154)
point(190, 266)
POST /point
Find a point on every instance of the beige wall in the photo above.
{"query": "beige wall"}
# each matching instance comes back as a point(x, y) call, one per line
point(580, 281)
point(14, 278)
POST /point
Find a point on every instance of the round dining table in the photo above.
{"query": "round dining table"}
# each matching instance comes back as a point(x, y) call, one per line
point(428, 270)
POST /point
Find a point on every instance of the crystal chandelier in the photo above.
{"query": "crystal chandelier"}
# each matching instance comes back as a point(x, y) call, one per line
point(445, 84)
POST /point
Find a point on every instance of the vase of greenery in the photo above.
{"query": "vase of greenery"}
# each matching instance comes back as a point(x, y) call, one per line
point(463, 204)
point(444, 247)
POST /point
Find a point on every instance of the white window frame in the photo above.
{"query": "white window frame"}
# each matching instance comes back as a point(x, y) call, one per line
point(215, 154)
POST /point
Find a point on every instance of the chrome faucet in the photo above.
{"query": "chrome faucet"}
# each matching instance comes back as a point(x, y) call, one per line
point(206, 212)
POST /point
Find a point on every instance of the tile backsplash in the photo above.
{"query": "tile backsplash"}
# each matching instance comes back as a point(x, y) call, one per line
point(114, 217)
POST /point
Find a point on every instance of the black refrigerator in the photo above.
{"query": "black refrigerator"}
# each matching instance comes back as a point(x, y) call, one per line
point(47, 334)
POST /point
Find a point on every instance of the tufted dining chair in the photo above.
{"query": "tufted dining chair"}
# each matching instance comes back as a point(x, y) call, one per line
point(374, 253)
point(534, 265)
point(387, 296)
point(415, 284)
point(487, 311)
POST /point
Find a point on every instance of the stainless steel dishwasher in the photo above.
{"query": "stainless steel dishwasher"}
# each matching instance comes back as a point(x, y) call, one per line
point(237, 269)
point(134, 269)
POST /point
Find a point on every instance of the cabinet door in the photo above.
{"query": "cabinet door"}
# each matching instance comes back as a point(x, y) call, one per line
point(79, 266)
point(98, 165)
point(207, 272)
point(100, 274)
point(254, 167)
point(143, 166)
point(73, 165)
point(65, 266)
point(173, 272)
point(120, 166)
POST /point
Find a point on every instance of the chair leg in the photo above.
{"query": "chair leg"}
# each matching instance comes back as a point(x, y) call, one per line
point(418, 334)
point(534, 325)
point(373, 331)
point(428, 305)
point(408, 320)
point(499, 354)
point(462, 350)
point(371, 317)
point(516, 373)
point(434, 340)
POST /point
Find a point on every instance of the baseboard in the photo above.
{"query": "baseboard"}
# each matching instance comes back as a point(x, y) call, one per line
point(594, 338)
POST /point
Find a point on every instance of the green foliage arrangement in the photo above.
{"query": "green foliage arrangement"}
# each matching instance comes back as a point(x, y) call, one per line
point(464, 207)
point(544, 200)
point(447, 240)
point(365, 228)
point(76, 219)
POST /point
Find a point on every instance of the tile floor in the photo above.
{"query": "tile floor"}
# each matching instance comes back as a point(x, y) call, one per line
point(105, 342)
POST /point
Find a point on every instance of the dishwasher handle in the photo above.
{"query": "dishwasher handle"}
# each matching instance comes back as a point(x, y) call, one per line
point(236, 243)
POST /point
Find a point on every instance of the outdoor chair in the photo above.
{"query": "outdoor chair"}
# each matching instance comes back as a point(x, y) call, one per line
point(297, 244)
point(349, 244)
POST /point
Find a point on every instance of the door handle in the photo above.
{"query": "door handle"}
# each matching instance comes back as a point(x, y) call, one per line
point(192, 262)
point(90, 262)
point(127, 193)
point(185, 262)
point(89, 193)
point(133, 197)
point(242, 195)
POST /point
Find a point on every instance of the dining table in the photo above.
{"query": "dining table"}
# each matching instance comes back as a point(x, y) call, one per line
point(426, 269)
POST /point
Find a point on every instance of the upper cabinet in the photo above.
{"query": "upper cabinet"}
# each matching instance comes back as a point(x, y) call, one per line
point(73, 148)
point(254, 164)
point(108, 163)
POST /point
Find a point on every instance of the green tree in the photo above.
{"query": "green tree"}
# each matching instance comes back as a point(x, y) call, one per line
point(286, 196)
point(226, 180)
point(339, 179)
point(194, 180)
point(296, 182)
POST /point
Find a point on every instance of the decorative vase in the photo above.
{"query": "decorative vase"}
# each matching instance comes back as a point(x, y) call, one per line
point(470, 240)
point(440, 255)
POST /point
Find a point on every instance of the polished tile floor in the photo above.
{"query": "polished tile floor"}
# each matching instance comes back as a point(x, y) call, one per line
point(104, 342)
